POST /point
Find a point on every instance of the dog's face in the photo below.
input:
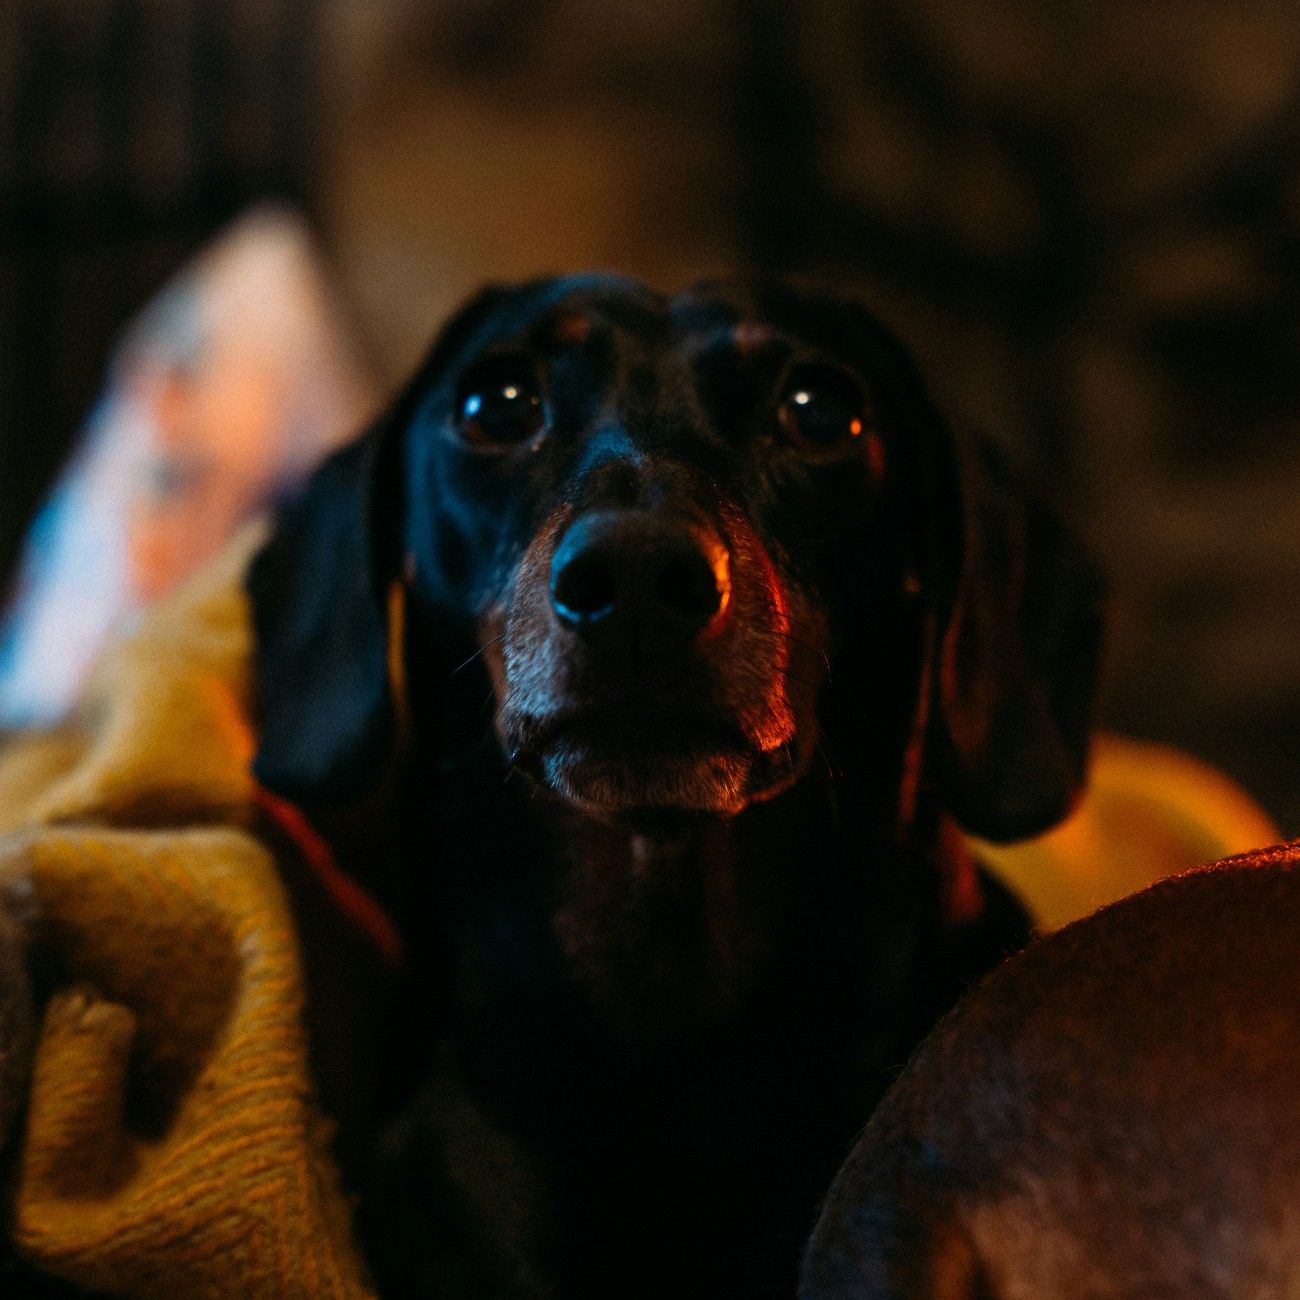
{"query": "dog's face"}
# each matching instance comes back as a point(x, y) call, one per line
point(694, 536)
point(653, 500)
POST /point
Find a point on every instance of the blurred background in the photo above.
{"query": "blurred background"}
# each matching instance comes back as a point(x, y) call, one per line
point(1083, 217)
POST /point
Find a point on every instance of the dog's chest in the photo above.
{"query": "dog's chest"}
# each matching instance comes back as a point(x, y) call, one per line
point(590, 1165)
point(662, 1075)
point(576, 967)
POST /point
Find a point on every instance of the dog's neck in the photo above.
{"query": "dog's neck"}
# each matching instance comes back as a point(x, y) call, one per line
point(662, 932)
point(666, 933)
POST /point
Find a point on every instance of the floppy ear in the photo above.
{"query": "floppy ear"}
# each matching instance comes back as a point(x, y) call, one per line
point(325, 709)
point(1018, 660)
point(319, 592)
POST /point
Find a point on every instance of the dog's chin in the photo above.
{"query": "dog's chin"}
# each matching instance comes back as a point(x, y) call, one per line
point(653, 788)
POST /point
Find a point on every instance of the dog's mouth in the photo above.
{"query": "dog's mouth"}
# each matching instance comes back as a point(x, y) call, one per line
point(643, 767)
point(633, 681)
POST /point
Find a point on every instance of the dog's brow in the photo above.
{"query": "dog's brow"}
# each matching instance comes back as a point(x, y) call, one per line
point(751, 336)
point(746, 338)
point(564, 327)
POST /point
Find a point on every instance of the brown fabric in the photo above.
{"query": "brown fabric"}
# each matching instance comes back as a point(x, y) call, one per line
point(171, 1144)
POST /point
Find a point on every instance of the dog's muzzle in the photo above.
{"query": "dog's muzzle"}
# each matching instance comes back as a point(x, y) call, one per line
point(643, 665)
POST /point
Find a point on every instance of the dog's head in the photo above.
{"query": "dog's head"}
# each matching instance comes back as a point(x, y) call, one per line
point(698, 540)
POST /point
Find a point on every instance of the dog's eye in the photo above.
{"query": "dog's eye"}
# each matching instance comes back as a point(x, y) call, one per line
point(500, 406)
point(825, 410)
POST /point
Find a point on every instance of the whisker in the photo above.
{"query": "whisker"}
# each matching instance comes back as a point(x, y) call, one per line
point(487, 645)
point(827, 751)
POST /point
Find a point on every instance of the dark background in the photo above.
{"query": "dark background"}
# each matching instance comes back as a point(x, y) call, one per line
point(1085, 218)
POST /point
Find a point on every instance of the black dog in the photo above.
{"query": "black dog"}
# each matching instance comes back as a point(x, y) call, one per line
point(661, 638)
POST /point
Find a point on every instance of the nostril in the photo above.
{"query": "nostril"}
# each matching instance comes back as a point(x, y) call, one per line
point(688, 589)
point(584, 589)
point(637, 577)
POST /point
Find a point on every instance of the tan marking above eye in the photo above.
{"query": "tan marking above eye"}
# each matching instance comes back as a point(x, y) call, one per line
point(751, 336)
point(570, 327)
point(876, 456)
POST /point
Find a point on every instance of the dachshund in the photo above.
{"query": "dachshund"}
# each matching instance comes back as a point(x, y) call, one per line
point(1109, 1116)
point(640, 664)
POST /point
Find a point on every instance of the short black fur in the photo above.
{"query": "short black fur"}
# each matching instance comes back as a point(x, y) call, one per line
point(647, 1004)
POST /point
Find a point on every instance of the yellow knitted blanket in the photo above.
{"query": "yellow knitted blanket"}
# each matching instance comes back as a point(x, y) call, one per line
point(170, 1147)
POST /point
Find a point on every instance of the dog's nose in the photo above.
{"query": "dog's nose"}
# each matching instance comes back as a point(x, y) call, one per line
point(620, 566)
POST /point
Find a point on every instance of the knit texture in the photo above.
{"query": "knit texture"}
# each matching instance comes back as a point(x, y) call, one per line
point(171, 1146)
